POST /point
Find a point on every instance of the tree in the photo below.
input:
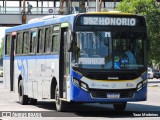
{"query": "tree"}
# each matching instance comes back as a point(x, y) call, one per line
point(151, 10)
point(2, 48)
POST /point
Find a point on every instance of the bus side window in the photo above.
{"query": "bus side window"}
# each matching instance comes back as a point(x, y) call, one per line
point(40, 43)
point(55, 43)
point(15, 45)
point(18, 48)
point(7, 45)
point(33, 41)
point(55, 39)
point(25, 42)
point(47, 45)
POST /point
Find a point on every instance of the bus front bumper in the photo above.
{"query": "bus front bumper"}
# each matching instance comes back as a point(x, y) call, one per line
point(80, 95)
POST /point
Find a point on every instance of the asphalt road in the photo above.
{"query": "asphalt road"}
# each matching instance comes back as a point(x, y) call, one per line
point(149, 109)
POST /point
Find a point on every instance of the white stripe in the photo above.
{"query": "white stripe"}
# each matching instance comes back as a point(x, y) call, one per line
point(96, 84)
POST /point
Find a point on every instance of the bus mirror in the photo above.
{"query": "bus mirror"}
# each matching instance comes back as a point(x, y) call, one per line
point(106, 41)
point(107, 38)
point(71, 44)
point(70, 47)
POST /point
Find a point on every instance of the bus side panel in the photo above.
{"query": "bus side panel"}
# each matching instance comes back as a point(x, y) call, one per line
point(17, 72)
point(45, 80)
point(47, 67)
point(39, 87)
point(52, 71)
point(6, 68)
point(32, 83)
point(24, 72)
point(21, 69)
point(40, 74)
point(48, 77)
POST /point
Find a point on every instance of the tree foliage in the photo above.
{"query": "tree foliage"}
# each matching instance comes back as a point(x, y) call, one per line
point(151, 10)
point(2, 48)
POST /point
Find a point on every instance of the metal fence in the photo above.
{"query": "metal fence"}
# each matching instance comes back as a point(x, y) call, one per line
point(43, 10)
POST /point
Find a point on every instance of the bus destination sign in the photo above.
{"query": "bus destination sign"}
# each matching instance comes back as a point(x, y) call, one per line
point(110, 21)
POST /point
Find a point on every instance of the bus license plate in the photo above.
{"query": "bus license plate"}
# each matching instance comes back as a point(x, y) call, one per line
point(113, 95)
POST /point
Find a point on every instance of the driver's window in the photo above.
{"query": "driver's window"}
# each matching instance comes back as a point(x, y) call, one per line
point(82, 44)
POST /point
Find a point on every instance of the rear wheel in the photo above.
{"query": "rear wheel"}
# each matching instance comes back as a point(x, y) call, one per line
point(60, 105)
point(119, 106)
point(23, 99)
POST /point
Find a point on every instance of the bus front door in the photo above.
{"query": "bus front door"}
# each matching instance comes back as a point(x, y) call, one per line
point(64, 63)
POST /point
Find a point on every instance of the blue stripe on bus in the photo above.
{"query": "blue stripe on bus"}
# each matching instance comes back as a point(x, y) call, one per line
point(76, 75)
point(34, 57)
point(144, 76)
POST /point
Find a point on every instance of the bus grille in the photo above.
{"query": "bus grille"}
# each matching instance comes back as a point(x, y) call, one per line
point(103, 94)
point(104, 76)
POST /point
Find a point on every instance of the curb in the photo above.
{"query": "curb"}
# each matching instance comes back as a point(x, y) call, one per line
point(154, 85)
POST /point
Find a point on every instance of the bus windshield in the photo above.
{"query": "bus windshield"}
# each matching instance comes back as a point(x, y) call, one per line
point(108, 50)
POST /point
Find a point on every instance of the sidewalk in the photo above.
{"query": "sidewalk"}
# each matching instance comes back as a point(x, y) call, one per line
point(154, 82)
point(1, 79)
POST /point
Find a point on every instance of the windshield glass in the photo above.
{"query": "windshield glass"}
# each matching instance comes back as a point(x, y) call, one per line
point(108, 50)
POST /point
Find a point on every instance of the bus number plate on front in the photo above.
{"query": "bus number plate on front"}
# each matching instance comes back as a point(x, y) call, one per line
point(113, 95)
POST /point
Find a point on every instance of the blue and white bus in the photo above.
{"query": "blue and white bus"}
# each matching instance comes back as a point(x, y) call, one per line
point(98, 57)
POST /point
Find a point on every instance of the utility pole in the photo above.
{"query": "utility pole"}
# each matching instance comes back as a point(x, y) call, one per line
point(61, 8)
point(82, 6)
point(68, 5)
point(24, 12)
point(114, 4)
point(5, 6)
point(97, 5)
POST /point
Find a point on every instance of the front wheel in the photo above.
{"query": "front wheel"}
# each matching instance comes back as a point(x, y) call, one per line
point(23, 99)
point(60, 105)
point(33, 101)
point(119, 106)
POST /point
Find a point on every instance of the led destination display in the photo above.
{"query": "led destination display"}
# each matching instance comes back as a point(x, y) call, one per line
point(113, 21)
point(110, 20)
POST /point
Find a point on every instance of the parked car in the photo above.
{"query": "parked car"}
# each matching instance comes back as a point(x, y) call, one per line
point(1, 71)
point(156, 74)
point(150, 73)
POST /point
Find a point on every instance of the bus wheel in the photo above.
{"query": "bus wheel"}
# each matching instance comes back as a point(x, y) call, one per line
point(33, 101)
point(119, 106)
point(23, 99)
point(60, 105)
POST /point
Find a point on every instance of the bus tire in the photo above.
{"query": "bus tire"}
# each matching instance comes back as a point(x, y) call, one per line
point(33, 101)
point(60, 105)
point(119, 106)
point(23, 99)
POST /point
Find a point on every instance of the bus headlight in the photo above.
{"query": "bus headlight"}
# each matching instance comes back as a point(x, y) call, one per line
point(145, 82)
point(84, 86)
point(76, 82)
point(139, 86)
point(80, 84)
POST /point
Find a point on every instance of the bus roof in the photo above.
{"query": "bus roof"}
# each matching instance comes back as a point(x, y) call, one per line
point(60, 19)
point(39, 23)
point(111, 13)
